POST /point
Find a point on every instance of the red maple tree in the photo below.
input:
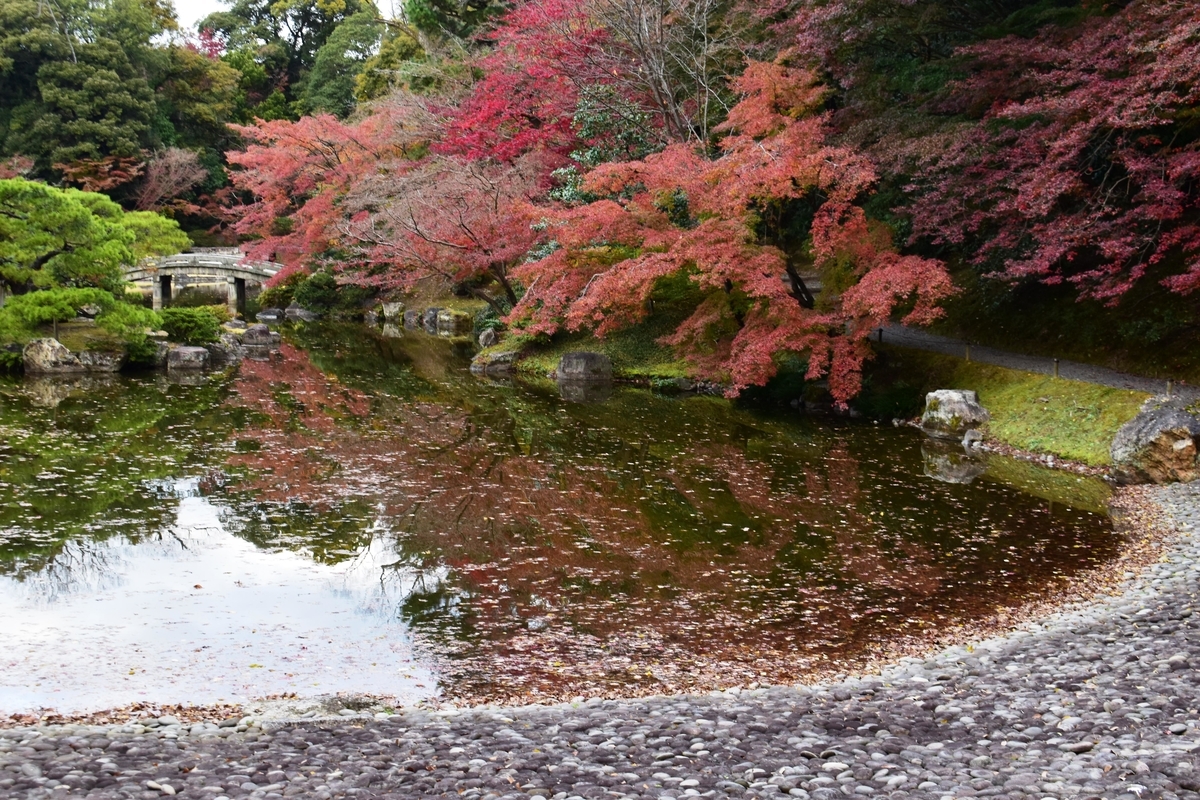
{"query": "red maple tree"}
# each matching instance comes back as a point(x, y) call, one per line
point(1085, 168)
point(680, 212)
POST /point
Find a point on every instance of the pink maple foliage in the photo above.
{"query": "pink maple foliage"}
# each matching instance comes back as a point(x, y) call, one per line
point(296, 174)
point(1086, 167)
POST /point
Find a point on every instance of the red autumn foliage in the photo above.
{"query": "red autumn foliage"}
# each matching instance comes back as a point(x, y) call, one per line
point(775, 150)
point(102, 174)
point(297, 173)
point(527, 96)
point(1086, 168)
point(449, 217)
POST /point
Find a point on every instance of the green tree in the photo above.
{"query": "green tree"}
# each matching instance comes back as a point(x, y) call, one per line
point(282, 37)
point(68, 238)
point(456, 18)
point(390, 67)
point(329, 86)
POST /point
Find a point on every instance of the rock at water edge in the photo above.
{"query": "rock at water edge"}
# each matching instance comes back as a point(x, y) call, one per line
point(227, 350)
point(50, 357)
point(269, 315)
point(950, 413)
point(488, 338)
point(493, 363)
point(392, 312)
point(454, 323)
point(1158, 445)
point(295, 312)
point(583, 366)
point(257, 336)
point(430, 320)
point(188, 358)
point(412, 319)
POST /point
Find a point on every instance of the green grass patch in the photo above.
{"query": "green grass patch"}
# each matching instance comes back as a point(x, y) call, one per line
point(1033, 412)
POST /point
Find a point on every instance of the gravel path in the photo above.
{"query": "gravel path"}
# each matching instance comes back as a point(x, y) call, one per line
point(1070, 370)
point(1100, 701)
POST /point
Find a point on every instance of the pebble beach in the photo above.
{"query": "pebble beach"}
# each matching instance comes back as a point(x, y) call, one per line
point(1097, 697)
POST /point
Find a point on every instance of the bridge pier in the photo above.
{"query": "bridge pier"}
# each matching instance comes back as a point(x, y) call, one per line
point(162, 291)
point(236, 295)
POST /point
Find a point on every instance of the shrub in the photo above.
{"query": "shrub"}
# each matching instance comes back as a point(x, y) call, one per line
point(318, 293)
point(281, 294)
point(194, 326)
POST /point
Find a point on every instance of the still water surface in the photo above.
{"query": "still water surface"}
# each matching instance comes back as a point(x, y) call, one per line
point(359, 514)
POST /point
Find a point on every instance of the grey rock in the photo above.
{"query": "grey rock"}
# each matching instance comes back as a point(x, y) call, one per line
point(295, 312)
point(429, 320)
point(270, 315)
point(393, 311)
point(187, 358)
point(412, 319)
point(584, 366)
point(392, 331)
point(454, 323)
point(494, 363)
point(258, 335)
point(90, 311)
point(950, 413)
point(228, 350)
point(1158, 445)
point(489, 338)
point(50, 357)
point(162, 351)
point(101, 361)
point(972, 438)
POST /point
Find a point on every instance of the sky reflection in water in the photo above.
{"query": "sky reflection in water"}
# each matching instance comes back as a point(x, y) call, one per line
point(362, 512)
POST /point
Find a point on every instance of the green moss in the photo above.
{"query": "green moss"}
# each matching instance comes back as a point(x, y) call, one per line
point(635, 352)
point(1033, 412)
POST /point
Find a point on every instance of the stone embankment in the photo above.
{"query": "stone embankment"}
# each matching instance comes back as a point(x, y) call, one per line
point(1099, 700)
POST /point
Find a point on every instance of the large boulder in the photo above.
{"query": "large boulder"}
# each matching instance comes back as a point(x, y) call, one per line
point(412, 319)
point(1158, 445)
point(50, 357)
point(226, 351)
point(583, 366)
point(102, 360)
point(269, 315)
point(258, 336)
point(488, 338)
point(187, 358)
point(454, 323)
point(393, 312)
point(494, 363)
point(950, 413)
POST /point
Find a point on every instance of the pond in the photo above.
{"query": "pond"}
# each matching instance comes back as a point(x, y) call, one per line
point(360, 514)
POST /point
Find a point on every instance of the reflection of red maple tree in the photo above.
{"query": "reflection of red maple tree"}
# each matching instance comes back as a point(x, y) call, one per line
point(569, 539)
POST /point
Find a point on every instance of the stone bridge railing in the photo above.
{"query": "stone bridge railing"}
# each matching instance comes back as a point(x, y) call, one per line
point(210, 262)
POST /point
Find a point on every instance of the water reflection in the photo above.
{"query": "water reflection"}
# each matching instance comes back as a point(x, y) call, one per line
point(512, 540)
point(641, 543)
point(194, 613)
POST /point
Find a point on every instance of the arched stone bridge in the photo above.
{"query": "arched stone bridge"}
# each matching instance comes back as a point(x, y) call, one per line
point(204, 262)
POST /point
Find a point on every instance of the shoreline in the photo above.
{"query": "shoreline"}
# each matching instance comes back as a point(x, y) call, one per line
point(1136, 514)
point(1096, 699)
